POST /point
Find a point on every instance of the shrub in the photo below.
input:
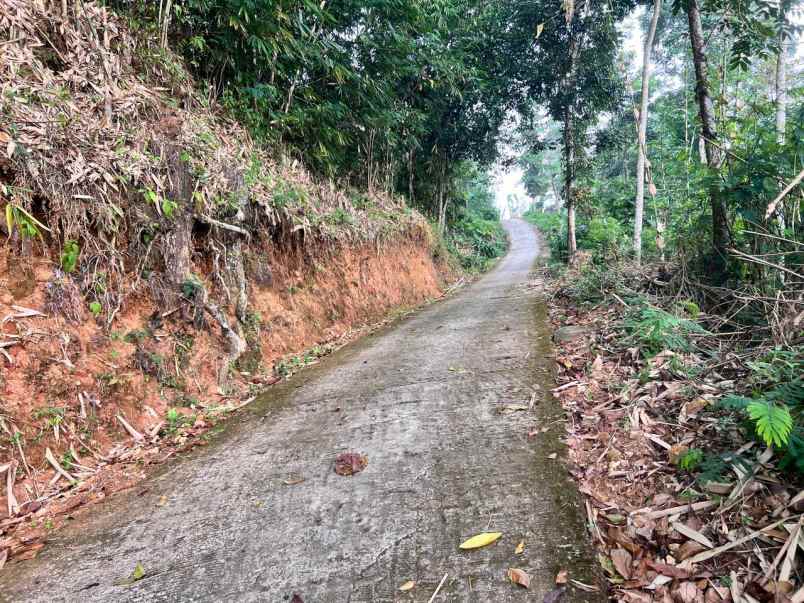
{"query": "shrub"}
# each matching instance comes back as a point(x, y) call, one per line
point(476, 241)
point(774, 413)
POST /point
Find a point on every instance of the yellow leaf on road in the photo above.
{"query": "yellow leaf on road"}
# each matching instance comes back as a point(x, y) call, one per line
point(520, 548)
point(407, 586)
point(475, 542)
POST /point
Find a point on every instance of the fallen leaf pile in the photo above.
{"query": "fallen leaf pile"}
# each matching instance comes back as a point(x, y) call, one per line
point(349, 463)
point(661, 534)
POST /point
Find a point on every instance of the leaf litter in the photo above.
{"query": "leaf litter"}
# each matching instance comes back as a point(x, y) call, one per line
point(349, 463)
point(631, 421)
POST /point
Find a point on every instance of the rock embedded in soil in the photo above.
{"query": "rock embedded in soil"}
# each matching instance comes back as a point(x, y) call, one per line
point(570, 333)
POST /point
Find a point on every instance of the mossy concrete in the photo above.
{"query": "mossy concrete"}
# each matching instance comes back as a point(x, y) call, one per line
point(441, 403)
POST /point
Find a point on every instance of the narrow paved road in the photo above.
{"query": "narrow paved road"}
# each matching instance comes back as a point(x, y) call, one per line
point(433, 403)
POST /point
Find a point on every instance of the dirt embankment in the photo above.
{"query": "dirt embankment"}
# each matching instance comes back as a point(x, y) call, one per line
point(106, 403)
point(157, 266)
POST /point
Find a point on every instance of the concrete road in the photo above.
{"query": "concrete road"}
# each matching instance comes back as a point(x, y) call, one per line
point(435, 402)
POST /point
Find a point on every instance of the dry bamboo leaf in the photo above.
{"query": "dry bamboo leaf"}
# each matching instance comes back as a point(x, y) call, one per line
point(588, 588)
point(722, 549)
point(692, 534)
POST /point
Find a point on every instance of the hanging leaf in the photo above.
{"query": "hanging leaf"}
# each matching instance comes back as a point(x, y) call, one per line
point(652, 189)
point(481, 540)
point(539, 30)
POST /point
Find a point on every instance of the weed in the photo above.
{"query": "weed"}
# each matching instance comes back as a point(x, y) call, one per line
point(690, 460)
point(339, 217)
point(29, 227)
point(174, 421)
point(136, 336)
point(287, 367)
point(67, 460)
point(69, 257)
point(192, 288)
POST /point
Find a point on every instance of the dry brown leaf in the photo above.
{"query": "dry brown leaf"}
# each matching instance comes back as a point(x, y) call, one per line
point(622, 562)
point(688, 549)
point(349, 463)
point(686, 592)
point(520, 548)
point(561, 577)
point(518, 576)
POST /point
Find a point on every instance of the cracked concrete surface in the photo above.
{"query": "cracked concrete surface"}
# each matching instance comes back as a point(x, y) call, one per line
point(423, 400)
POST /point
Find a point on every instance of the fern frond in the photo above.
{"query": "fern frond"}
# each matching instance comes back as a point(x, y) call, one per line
point(734, 402)
point(791, 393)
point(773, 422)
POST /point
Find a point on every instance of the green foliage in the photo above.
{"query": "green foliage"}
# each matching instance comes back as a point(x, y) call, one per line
point(69, 257)
point(192, 287)
point(553, 226)
point(476, 241)
point(604, 236)
point(288, 366)
point(775, 412)
point(96, 308)
point(773, 422)
point(28, 226)
point(691, 459)
point(175, 420)
point(656, 330)
point(595, 284)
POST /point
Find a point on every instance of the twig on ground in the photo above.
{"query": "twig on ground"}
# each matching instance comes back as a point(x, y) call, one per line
point(438, 588)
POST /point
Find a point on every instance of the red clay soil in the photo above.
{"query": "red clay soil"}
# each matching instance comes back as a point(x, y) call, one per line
point(72, 386)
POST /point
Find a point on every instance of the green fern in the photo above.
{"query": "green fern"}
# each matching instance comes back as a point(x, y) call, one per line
point(791, 393)
point(735, 402)
point(773, 422)
point(656, 330)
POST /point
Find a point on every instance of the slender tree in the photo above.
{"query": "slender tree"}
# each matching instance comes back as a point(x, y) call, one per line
point(781, 80)
point(642, 130)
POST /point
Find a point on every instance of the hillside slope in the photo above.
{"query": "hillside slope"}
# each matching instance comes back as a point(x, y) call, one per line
point(157, 266)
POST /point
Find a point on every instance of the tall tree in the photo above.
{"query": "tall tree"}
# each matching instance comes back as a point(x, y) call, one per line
point(642, 130)
point(721, 238)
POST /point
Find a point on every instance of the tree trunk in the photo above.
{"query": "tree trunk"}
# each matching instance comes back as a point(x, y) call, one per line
point(642, 130)
point(410, 175)
point(569, 179)
point(781, 87)
point(573, 50)
point(706, 110)
point(443, 198)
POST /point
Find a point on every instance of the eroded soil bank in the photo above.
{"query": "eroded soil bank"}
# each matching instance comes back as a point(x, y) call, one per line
point(452, 410)
point(108, 402)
